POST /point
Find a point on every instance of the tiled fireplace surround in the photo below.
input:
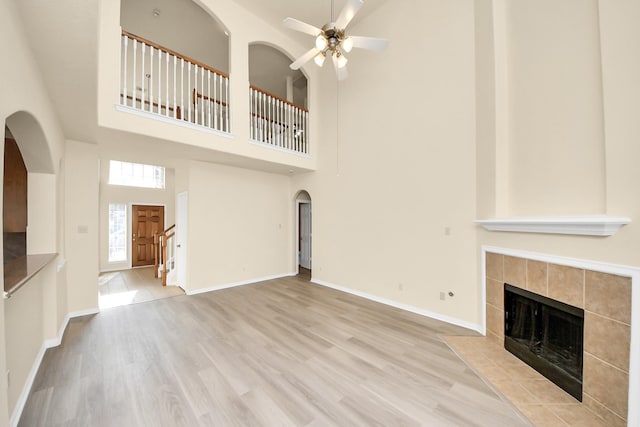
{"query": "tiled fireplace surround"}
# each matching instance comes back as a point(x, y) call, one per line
point(606, 299)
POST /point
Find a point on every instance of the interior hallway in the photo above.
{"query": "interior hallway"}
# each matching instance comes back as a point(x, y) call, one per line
point(132, 286)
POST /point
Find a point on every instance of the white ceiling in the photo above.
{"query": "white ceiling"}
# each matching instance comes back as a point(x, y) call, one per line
point(314, 12)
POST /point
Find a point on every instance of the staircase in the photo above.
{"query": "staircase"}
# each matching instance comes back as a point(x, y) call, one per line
point(164, 253)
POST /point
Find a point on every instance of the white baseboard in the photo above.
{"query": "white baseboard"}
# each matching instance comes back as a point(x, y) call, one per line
point(405, 307)
point(234, 284)
point(46, 344)
point(26, 389)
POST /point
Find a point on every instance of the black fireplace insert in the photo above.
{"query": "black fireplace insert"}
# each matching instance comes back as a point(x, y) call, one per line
point(547, 335)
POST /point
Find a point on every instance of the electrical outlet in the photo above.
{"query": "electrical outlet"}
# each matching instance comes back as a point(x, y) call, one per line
point(400, 287)
point(442, 296)
point(447, 231)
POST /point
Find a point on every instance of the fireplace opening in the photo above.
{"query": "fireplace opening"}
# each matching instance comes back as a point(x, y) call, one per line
point(547, 335)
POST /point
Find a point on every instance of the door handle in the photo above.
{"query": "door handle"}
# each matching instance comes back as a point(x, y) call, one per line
point(178, 245)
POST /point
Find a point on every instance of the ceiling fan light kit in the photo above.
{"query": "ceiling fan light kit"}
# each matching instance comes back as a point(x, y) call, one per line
point(332, 40)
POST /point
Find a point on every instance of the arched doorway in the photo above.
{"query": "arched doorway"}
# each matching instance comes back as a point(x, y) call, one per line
point(303, 233)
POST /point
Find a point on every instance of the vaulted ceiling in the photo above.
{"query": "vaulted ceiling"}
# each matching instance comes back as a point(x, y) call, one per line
point(63, 36)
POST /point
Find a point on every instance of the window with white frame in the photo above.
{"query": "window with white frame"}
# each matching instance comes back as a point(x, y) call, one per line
point(117, 232)
point(136, 174)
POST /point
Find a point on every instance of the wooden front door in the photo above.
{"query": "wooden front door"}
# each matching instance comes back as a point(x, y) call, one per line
point(146, 221)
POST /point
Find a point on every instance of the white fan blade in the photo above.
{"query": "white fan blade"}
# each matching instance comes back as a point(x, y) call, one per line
point(303, 27)
point(341, 73)
point(304, 59)
point(370, 43)
point(348, 12)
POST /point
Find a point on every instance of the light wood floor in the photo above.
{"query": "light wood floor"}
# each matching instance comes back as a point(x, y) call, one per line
point(278, 353)
point(132, 286)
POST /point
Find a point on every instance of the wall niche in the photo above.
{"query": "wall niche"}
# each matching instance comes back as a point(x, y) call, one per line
point(14, 201)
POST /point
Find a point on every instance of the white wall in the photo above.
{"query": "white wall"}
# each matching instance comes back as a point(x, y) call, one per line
point(28, 318)
point(403, 171)
point(239, 226)
point(556, 124)
point(81, 228)
point(572, 81)
point(129, 195)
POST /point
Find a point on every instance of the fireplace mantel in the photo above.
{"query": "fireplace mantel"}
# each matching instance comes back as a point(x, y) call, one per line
point(596, 225)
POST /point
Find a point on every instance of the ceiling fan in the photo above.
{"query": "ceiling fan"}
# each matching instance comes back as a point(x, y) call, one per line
point(333, 40)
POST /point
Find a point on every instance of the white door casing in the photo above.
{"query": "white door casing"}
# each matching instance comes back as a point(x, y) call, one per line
point(305, 235)
point(181, 238)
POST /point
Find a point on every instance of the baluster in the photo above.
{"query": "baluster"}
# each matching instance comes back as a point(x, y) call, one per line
point(250, 113)
point(222, 114)
point(285, 124)
point(151, 79)
point(306, 132)
point(270, 120)
point(256, 117)
point(159, 81)
point(134, 98)
point(175, 77)
point(203, 98)
point(189, 89)
point(302, 130)
point(226, 100)
point(142, 77)
point(289, 126)
point(166, 108)
point(124, 71)
point(215, 106)
point(279, 118)
point(125, 42)
point(195, 95)
point(276, 122)
point(255, 113)
point(259, 112)
point(281, 105)
point(302, 133)
point(209, 96)
point(296, 120)
point(182, 87)
point(298, 125)
point(263, 98)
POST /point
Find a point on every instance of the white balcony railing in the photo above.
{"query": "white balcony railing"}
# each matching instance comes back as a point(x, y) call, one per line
point(160, 81)
point(278, 122)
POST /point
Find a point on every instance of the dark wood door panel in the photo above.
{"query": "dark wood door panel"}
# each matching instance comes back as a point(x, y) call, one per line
point(147, 221)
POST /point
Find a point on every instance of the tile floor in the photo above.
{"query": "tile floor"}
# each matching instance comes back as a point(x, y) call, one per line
point(132, 286)
point(544, 403)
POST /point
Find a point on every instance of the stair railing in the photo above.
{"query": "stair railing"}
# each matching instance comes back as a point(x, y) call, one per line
point(164, 253)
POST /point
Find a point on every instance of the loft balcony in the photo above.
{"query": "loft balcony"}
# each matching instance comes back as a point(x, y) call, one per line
point(158, 82)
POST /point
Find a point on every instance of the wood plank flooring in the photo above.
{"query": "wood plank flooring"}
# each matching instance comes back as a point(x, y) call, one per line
point(278, 353)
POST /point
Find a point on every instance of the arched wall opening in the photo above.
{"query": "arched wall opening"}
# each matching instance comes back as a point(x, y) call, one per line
point(269, 71)
point(204, 38)
point(29, 189)
point(303, 227)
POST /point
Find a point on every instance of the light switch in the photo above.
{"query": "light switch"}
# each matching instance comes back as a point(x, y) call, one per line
point(83, 229)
